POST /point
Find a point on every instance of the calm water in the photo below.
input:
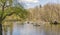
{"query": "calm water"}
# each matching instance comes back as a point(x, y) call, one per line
point(30, 29)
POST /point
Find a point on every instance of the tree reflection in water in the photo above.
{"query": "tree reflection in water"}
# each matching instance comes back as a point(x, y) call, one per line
point(8, 28)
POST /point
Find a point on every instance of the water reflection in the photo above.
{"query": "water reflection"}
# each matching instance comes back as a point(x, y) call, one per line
point(27, 29)
point(30, 29)
point(7, 29)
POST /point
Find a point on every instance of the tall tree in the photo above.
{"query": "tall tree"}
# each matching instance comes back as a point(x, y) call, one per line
point(7, 9)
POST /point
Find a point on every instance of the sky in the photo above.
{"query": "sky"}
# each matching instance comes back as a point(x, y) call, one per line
point(33, 3)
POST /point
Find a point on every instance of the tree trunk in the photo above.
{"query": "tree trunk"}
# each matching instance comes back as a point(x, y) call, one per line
point(2, 17)
point(0, 28)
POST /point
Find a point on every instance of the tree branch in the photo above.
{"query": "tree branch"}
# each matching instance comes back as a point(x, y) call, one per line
point(7, 6)
point(3, 9)
point(8, 15)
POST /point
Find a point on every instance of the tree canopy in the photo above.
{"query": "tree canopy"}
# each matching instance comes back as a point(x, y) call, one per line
point(7, 9)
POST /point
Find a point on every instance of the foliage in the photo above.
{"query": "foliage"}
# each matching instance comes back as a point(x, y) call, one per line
point(8, 10)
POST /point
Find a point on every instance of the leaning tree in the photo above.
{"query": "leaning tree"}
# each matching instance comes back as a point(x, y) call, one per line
point(7, 9)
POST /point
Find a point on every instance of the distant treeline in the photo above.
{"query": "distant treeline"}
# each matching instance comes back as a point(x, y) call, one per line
point(47, 13)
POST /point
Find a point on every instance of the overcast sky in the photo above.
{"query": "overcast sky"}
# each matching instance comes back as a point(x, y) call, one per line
point(32, 3)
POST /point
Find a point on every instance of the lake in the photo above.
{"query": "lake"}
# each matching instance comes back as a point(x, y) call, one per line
point(30, 29)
